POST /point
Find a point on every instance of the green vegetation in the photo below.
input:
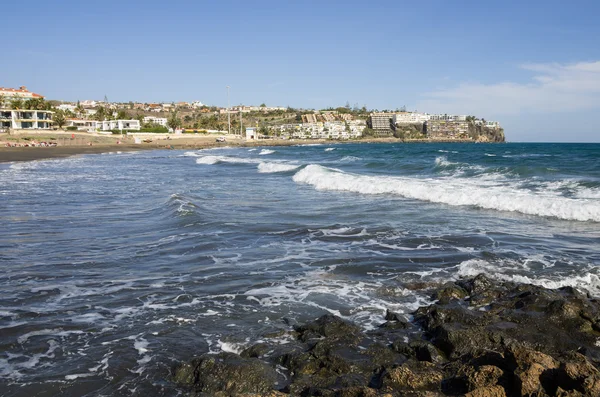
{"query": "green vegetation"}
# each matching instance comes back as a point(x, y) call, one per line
point(174, 122)
point(59, 118)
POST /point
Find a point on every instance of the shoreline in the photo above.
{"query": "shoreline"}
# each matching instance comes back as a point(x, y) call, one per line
point(94, 144)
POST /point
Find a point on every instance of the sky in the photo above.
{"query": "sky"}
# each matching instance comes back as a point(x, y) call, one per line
point(532, 65)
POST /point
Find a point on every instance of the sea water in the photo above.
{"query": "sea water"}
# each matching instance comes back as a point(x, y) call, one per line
point(116, 267)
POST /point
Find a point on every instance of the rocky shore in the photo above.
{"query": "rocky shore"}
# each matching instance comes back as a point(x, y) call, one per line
point(481, 338)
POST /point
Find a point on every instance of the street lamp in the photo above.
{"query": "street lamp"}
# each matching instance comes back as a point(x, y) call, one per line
point(228, 113)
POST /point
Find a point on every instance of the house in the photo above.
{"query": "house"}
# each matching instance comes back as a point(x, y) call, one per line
point(155, 120)
point(109, 125)
point(82, 124)
point(21, 92)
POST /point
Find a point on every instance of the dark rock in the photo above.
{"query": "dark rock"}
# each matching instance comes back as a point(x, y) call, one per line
point(481, 338)
point(227, 373)
point(450, 292)
point(412, 376)
point(425, 351)
point(328, 326)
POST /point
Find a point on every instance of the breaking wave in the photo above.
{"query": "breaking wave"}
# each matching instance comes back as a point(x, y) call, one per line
point(224, 159)
point(477, 192)
point(269, 168)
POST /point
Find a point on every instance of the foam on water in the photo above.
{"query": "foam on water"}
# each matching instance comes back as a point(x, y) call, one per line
point(268, 168)
point(210, 160)
point(266, 151)
point(329, 149)
point(587, 279)
point(454, 191)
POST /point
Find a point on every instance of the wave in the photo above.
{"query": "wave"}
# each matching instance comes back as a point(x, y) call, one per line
point(269, 168)
point(266, 151)
point(586, 280)
point(350, 159)
point(329, 149)
point(210, 160)
point(442, 163)
point(476, 192)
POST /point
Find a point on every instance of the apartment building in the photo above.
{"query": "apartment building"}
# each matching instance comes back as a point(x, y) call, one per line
point(382, 123)
point(21, 92)
point(447, 117)
point(309, 118)
point(25, 119)
point(155, 120)
point(441, 129)
point(410, 118)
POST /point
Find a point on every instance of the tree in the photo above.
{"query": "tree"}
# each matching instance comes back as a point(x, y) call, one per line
point(262, 105)
point(174, 122)
point(122, 115)
point(16, 103)
point(59, 118)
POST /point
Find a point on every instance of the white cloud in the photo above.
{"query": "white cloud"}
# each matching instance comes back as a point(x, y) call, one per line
point(553, 88)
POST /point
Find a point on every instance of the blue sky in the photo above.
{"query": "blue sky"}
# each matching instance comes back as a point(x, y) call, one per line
point(532, 65)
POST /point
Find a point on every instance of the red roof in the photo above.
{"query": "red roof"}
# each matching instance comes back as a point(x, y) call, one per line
point(23, 90)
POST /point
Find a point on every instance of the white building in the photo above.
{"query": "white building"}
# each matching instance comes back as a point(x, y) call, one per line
point(109, 125)
point(67, 107)
point(21, 92)
point(447, 117)
point(251, 133)
point(410, 118)
point(25, 119)
point(155, 120)
point(83, 125)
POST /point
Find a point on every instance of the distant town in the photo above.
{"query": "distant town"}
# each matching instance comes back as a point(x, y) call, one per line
point(23, 110)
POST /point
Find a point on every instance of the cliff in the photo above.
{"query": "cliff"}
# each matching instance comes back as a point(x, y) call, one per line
point(481, 133)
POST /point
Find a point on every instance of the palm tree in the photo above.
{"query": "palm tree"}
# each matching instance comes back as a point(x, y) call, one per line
point(174, 121)
point(59, 118)
point(16, 103)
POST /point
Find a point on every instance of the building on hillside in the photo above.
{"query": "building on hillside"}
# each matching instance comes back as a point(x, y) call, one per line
point(492, 124)
point(443, 130)
point(25, 119)
point(410, 118)
point(309, 118)
point(382, 123)
point(21, 92)
point(67, 107)
point(447, 117)
point(155, 120)
point(88, 104)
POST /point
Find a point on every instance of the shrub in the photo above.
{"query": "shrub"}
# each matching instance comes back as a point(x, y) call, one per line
point(72, 128)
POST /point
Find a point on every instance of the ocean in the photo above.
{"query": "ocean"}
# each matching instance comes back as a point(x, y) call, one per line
point(116, 267)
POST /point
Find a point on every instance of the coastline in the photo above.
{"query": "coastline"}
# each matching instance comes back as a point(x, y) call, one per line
point(94, 144)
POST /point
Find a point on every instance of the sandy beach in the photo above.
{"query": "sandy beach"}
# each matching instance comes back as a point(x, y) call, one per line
point(70, 144)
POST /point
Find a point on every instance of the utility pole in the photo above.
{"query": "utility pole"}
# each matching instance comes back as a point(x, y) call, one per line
point(241, 121)
point(228, 112)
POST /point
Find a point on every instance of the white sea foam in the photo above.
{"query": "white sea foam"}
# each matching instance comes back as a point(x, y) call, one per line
point(224, 159)
point(455, 191)
point(329, 149)
point(268, 168)
point(511, 271)
point(266, 151)
point(349, 159)
point(191, 154)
